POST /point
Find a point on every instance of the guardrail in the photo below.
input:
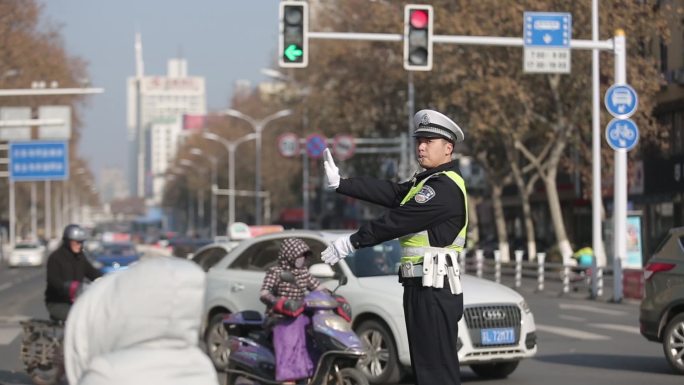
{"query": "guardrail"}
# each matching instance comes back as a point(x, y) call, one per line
point(570, 277)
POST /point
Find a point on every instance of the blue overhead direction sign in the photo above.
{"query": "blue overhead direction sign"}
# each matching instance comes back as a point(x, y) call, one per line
point(546, 39)
point(621, 101)
point(547, 29)
point(622, 134)
point(315, 145)
point(39, 160)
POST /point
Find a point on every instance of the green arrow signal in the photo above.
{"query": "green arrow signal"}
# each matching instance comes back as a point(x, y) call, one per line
point(292, 52)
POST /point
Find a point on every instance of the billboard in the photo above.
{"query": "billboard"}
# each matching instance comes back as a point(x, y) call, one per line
point(634, 258)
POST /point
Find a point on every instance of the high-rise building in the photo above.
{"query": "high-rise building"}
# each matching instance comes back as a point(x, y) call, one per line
point(163, 138)
point(112, 184)
point(155, 108)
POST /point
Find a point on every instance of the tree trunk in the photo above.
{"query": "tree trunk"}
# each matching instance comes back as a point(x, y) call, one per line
point(501, 232)
point(525, 200)
point(527, 214)
point(473, 232)
point(557, 216)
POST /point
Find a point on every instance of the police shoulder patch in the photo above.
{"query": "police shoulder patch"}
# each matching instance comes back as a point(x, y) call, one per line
point(425, 194)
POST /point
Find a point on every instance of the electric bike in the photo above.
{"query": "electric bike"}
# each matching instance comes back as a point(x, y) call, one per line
point(337, 348)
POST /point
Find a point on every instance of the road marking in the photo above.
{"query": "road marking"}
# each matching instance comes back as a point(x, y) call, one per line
point(572, 318)
point(572, 333)
point(13, 319)
point(19, 280)
point(620, 328)
point(592, 309)
point(7, 335)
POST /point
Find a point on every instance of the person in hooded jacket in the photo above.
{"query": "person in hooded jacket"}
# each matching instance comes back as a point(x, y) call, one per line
point(67, 267)
point(283, 290)
point(140, 326)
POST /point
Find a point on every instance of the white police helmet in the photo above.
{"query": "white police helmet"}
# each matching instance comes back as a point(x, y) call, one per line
point(432, 124)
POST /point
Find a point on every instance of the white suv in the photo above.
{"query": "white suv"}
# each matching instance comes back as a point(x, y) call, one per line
point(497, 329)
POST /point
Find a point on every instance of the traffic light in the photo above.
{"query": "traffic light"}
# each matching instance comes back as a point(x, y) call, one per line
point(418, 37)
point(294, 26)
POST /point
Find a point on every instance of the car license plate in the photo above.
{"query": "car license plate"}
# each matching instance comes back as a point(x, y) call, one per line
point(498, 336)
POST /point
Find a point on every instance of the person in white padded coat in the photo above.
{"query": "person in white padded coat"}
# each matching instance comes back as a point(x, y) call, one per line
point(140, 326)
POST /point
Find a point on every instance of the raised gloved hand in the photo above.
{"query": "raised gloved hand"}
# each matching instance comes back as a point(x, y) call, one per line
point(332, 173)
point(288, 307)
point(340, 248)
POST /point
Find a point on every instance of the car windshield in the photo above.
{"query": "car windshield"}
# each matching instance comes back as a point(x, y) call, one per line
point(117, 249)
point(662, 243)
point(382, 259)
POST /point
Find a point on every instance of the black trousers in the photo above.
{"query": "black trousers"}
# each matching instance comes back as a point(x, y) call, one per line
point(58, 311)
point(432, 317)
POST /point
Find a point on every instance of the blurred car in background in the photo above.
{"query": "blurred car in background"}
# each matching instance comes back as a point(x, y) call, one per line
point(496, 332)
point(26, 254)
point(185, 247)
point(661, 315)
point(110, 257)
point(207, 256)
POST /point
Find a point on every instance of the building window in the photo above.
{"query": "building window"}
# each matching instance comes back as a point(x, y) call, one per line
point(663, 57)
point(678, 133)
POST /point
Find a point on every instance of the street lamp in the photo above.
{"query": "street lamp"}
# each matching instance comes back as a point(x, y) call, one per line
point(258, 126)
point(214, 163)
point(231, 147)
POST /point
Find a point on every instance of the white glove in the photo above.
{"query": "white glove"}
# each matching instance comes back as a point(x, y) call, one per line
point(332, 173)
point(340, 248)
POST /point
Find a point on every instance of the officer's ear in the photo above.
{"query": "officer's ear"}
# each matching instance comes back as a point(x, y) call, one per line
point(449, 147)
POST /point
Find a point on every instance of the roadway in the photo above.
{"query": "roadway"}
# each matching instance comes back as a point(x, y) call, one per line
point(580, 341)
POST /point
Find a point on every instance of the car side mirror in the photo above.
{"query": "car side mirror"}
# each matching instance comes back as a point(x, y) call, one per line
point(322, 270)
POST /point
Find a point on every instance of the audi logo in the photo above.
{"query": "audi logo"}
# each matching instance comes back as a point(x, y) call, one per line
point(493, 315)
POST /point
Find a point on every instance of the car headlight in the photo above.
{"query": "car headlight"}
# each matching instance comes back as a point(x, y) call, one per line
point(525, 307)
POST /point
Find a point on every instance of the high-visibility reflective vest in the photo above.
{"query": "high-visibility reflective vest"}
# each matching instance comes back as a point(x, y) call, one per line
point(415, 245)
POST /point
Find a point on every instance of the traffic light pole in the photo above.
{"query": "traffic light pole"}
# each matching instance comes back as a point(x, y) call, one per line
point(605, 45)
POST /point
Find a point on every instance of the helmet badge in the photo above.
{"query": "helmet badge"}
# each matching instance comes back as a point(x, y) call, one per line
point(425, 120)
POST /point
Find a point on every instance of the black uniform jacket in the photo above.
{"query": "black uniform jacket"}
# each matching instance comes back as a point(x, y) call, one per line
point(63, 266)
point(442, 214)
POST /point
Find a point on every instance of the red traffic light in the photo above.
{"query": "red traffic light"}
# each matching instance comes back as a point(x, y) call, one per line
point(419, 18)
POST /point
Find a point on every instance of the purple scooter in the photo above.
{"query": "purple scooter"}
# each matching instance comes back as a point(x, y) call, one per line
point(338, 348)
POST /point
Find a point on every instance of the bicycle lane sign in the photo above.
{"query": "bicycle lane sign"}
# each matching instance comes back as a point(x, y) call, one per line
point(622, 134)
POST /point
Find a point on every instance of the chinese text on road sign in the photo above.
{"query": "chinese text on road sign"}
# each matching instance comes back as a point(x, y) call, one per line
point(39, 161)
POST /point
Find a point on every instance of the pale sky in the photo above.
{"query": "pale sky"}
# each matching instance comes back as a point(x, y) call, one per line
point(222, 40)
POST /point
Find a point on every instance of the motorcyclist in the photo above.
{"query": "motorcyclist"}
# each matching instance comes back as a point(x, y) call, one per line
point(67, 267)
point(283, 290)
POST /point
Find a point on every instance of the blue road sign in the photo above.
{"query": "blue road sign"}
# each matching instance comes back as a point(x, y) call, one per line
point(621, 101)
point(39, 160)
point(622, 134)
point(547, 29)
point(315, 145)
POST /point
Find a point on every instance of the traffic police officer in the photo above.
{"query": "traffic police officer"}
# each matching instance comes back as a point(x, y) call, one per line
point(429, 216)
